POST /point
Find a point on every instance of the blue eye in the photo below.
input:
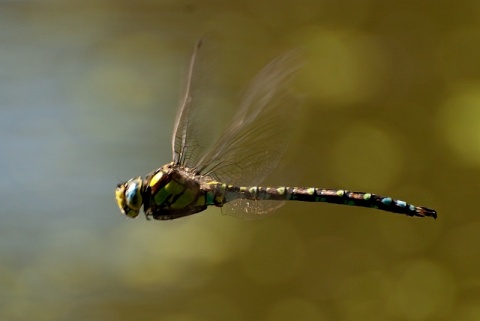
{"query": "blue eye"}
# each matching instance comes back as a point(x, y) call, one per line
point(133, 194)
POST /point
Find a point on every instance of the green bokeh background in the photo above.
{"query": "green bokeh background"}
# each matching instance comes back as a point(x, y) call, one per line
point(89, 91)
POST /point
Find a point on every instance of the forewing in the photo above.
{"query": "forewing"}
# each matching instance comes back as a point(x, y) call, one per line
point(192, 133)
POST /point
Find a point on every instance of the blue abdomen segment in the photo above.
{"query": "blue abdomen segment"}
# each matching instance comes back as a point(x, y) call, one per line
point(367, 200)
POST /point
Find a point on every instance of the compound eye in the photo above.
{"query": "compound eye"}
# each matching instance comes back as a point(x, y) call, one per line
point(133, 194)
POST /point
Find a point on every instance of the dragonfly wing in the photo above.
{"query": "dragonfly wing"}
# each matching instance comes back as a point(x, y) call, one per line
point(255, 140)
point(182, 128)
point(191, 137)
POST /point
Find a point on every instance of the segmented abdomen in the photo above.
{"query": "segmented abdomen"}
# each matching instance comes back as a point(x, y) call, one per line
point(336, 196)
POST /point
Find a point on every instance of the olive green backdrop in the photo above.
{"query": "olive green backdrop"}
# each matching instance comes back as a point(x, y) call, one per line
point(88, 95)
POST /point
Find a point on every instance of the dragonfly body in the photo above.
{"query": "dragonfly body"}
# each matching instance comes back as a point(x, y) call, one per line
point(171, 192)
point(245, 154)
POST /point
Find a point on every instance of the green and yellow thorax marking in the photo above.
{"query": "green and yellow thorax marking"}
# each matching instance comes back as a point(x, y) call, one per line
point(173, 190)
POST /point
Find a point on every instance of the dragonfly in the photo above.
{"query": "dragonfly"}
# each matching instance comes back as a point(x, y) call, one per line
point(227, 173)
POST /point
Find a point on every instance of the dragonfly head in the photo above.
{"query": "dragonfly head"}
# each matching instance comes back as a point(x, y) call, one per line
point(129, 197)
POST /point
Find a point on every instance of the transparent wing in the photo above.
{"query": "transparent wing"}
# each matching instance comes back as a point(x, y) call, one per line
point(251, 210)
point(255, 140)
point(191, 136)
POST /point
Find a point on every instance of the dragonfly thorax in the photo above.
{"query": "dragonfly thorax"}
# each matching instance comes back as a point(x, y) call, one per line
point(173, 191)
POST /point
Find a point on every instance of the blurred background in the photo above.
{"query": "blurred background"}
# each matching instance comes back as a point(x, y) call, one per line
point(89, 92)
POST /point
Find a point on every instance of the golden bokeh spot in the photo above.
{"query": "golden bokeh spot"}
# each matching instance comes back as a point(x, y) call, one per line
point(459, 123)
point(366, 156)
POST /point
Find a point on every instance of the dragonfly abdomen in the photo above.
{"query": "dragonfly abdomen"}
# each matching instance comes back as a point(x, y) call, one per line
point(335, 196)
